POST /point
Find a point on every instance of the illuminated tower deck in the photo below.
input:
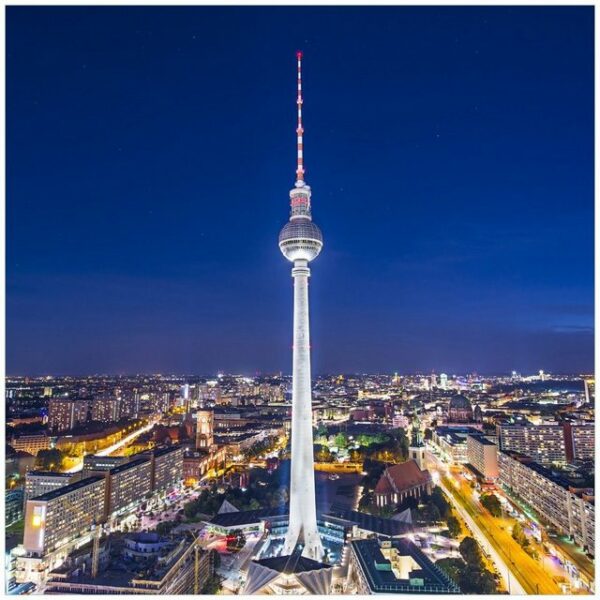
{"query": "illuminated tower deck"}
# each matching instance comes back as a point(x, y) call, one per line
point(300, 241)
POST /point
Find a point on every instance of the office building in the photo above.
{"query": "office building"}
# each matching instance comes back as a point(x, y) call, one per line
point(127, 485)
point(451, 442)
point(94, 462)
point(579, 441)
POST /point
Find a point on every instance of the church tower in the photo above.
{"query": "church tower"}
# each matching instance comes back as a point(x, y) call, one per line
point(416, 450)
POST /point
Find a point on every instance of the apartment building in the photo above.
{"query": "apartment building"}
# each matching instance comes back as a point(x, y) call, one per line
point(38, 483)
point(63, 514)
point(570, 510)
point(66, 413)
point(482, 454)
point(545, 443)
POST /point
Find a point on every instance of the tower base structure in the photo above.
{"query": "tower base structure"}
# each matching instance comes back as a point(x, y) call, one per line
point(289, 574)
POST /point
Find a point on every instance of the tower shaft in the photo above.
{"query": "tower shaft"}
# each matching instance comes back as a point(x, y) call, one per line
point(303, 511)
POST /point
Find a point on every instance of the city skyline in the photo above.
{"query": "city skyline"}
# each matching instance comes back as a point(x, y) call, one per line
point(457, 195)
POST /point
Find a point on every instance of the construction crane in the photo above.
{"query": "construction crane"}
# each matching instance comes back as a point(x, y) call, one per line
point(96, 550)
point(196, 567)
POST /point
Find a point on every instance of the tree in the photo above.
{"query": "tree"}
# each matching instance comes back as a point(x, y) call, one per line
point(322, 453)
point(164, 528)
point(430, 513)
point(452, 567)
point(408, 502)
point(341, 440)
point(212, 585)
point(518, 534)
point(453, 526)
point(49, 460)
point(476, 580)
point(439, 500)
point(492, 504)
point(469, 550)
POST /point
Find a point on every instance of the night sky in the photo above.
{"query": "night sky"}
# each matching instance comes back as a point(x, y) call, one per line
point(150, 152)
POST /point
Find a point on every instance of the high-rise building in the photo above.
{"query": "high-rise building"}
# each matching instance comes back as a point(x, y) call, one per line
point(482, 453)
point(127, 484)
point(204, 429)
point(569, 509)
point(129, 405)
point(301, 241)
point(42, 482)
point(544, 443)
point(167, 467)
point(61, 515)
point(66, 413)
point(13, 506)
point(579, 441)
point(105, 410)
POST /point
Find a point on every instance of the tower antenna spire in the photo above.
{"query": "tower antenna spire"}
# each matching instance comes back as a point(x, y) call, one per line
point(299, 128)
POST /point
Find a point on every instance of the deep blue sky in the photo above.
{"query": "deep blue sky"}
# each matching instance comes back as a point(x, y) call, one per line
point(150, 152)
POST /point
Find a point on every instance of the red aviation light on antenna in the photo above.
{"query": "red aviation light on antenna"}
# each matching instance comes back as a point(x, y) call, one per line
point(299, 54)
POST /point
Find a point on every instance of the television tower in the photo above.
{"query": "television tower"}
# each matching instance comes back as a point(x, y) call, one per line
point(300, 241)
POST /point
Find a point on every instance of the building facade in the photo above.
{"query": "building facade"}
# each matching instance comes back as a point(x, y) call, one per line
point(204, 429)
point(401, 481)
point(106, 410)
point(38, 483)
point(167, 467)
point(65, 414)
point(482, 454)
point(544, 443)
point(127, 485)
point(63, 514)
point(570, 510)
point(31, 444)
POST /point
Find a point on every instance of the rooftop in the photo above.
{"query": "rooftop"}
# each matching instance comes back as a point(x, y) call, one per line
point(481, 439)
point(129, 465)
point(67, 489)
point(367, 522)
point(247, 517)
point(381, 578)
point(49, 474)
